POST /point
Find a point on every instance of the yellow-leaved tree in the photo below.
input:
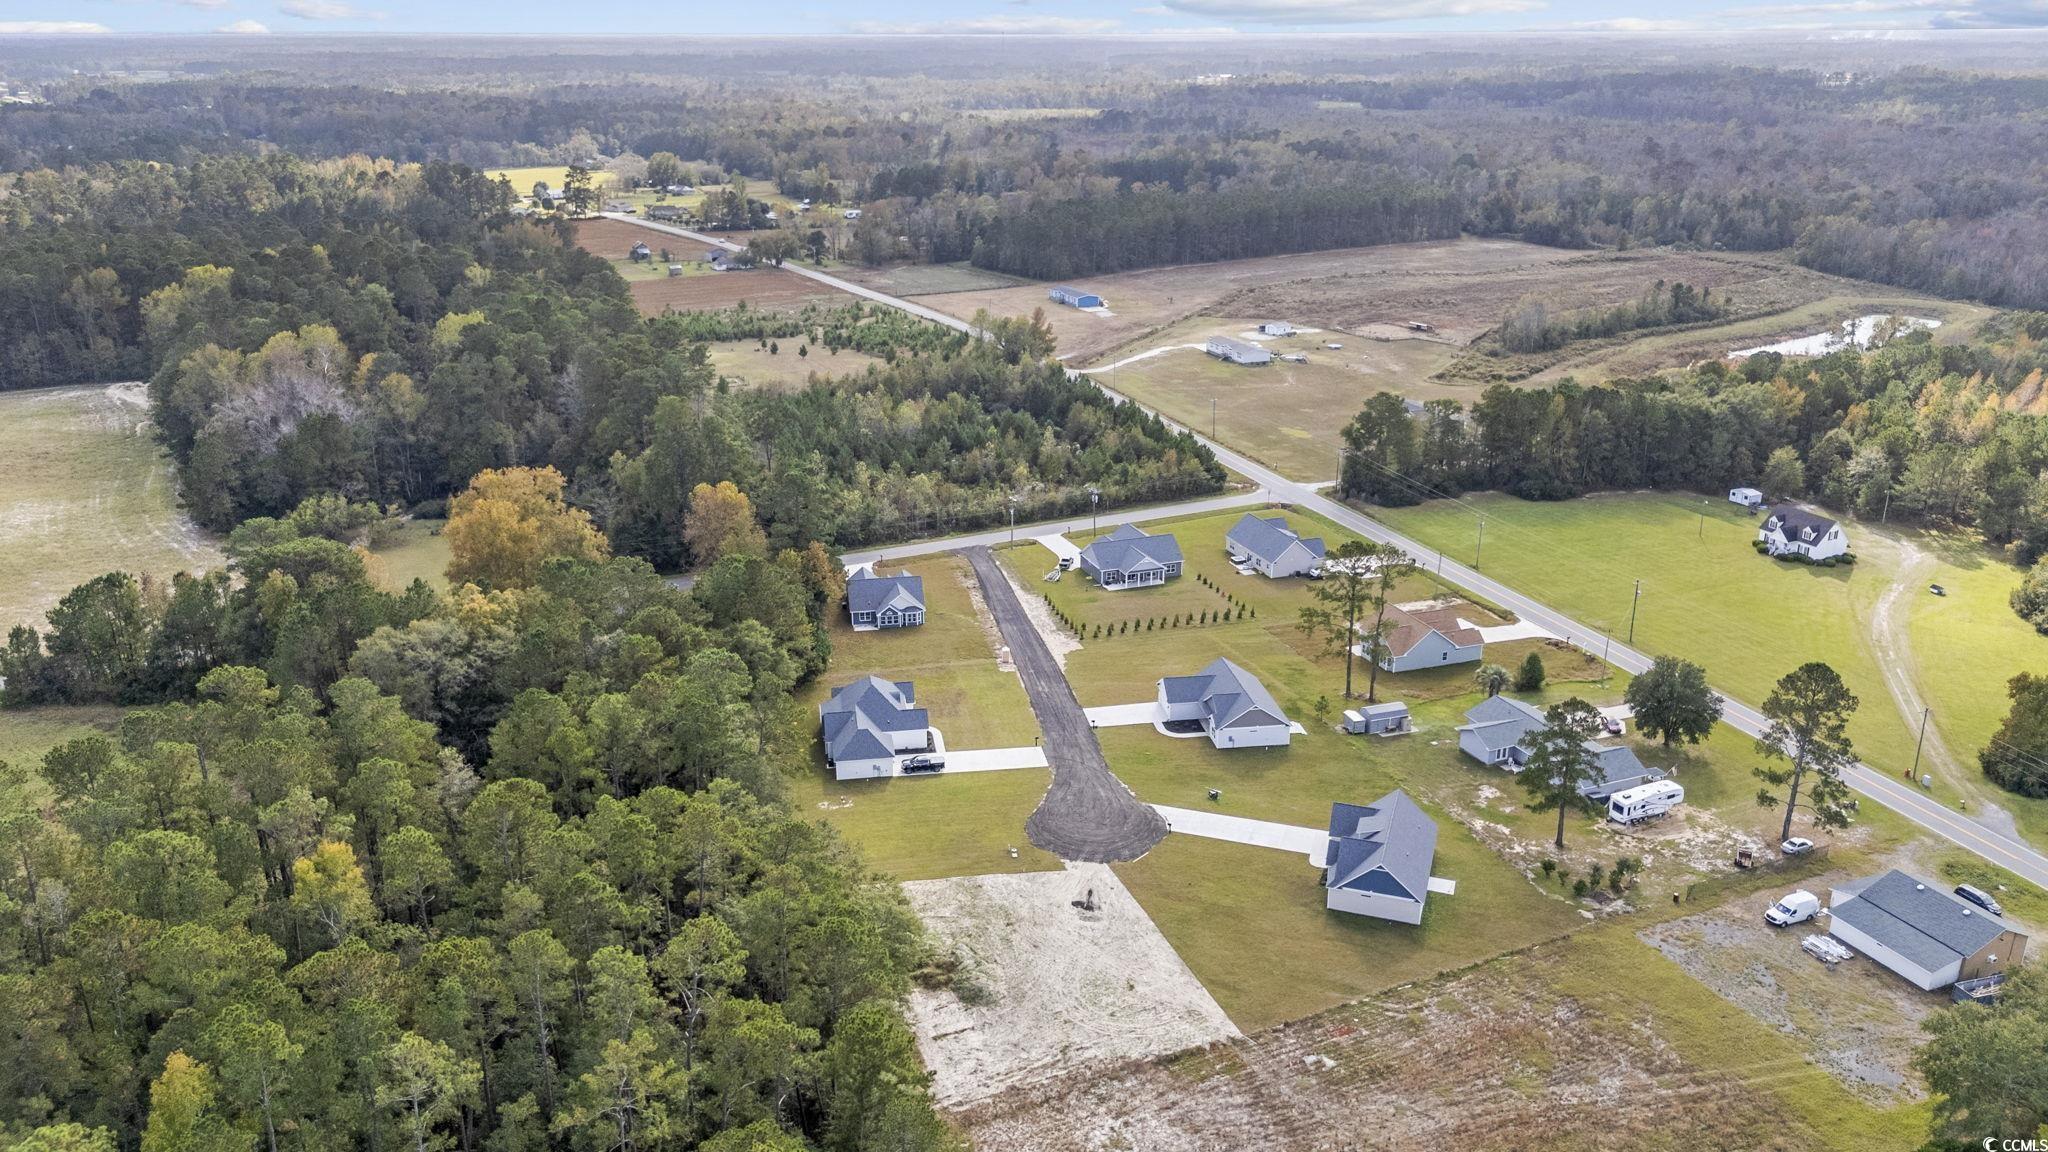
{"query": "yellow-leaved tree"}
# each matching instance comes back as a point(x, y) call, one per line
point(509, 521)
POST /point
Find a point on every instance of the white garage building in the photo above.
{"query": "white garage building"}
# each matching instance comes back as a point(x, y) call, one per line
point(1929, 936)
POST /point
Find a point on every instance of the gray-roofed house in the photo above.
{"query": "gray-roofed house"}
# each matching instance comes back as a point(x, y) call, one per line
point(1496, 731)
point(1792, 530)
point(1927, 935)
point(874, 601)
point(1379, 859)
point(1132, 558)
point(1428, 638)
point(1237, 351)
point(1076, 297)
point(1269, 545)
point(868, 724)
point(1234, 708)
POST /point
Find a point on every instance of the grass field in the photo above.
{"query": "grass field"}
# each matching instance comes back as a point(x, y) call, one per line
point(1749, 620)
point(1288, 416)
point(85, 490)
point(417, 551)
point(920, 829)
point(929, 279)
point(554, 175)
point(27, 733)
point(747, 363)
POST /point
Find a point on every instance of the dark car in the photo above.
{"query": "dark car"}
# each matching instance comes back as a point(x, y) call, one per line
point(924, 764)
point(1980, 898)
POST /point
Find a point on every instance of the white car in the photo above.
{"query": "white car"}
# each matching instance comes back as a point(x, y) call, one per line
point(1795, 846)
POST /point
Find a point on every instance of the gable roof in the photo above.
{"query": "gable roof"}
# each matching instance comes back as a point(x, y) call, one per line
point(1502, 722)
point(1131, 547)
point(1232, 697)
point(868, 592)
point(1926, 925)
point(1385, 848)
point(1269, 537)
point(1235, 347)
point(1796, 523)
point(1406, 629)
point(856, 717)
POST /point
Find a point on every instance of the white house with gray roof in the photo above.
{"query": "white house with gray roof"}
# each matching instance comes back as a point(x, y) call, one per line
point(1498, 729)
point(1130, 557)
point(1792, 530)
point(868, 724)
point(1927, 935)
point(1237, 351)
point(1269, 545)
point(1379, 859)
point(1234, 708)
point(875, 601)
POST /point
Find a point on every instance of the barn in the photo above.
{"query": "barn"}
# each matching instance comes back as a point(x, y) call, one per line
point(1076, 297)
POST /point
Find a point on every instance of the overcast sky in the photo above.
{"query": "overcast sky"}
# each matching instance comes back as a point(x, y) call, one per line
point(994, 17)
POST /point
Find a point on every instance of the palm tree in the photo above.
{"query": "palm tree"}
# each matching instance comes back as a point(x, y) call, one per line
point(1491, 679)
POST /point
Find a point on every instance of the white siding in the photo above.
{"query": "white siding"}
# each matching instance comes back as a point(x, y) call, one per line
point(1916, 975)
point(864, 769)
point(1375, 905)
point(1263, 736)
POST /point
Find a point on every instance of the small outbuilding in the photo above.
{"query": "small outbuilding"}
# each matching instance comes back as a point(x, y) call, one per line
point(1387, 718)
point(1276, 328)
point(1747, 497)
point(1237, 351)
point(640, 253)
point(1076, 297)
point(1930, 937)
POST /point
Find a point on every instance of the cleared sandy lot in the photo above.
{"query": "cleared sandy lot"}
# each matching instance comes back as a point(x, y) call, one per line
point(1066, 988)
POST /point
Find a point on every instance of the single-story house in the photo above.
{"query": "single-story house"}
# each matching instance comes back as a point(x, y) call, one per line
point(1237, 351)
point(1268, 544)
point(1792, 529)
point(1383, 719)
point(668, 212)
point(1234, 708)
point(875, 601)
point(1497, 730)
point(1132, 558)
point(639, 252)
point(624, 206)
point(867, 724)
point(1747, 497)
point(1076, 297)
point(1276, 328)
point(1428, 638)
point(1927, 935)
point(1379, 859)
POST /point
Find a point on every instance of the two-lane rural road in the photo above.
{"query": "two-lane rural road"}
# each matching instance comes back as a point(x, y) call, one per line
point(1896, 794)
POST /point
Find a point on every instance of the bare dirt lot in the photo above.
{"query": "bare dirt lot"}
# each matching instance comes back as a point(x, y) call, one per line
point(1857, 1020)
point(1064, 988)
point(1479, 1060)
point(613, 239)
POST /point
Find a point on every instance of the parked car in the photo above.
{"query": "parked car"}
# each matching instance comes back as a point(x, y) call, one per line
point(924, 764)
point(1980, 898)
point(1937, 589)
point(1796, 908)
point(1795, 846)
point(1613, 724)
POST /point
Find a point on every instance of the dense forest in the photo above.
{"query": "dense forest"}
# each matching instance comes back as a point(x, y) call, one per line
point(503, 869)
point(385, 333)
point(1140, 166)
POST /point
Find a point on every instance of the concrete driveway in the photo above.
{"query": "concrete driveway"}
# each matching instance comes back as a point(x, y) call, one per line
point(1310, 842)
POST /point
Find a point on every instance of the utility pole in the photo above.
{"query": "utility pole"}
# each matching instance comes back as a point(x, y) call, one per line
point(1886, 515)
point(1703, 519)
point(1921, 742)
point(1094, 498)
point(1212, 417)
point(1632, 611)
point(1013, 519)
point(1479, 551)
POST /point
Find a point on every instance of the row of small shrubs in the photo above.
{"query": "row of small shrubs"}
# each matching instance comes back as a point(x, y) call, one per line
point(1797, 558)
point(1182, 620)
point(1614, 879)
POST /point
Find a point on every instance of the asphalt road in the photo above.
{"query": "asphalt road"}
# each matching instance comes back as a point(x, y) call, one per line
point(1087, 814)
point(1893, 792)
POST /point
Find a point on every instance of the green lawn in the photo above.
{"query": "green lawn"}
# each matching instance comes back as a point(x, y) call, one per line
point(27, 733)
point(1251, 924)
point(918, 829)
point(417, 551)
point(86, 490)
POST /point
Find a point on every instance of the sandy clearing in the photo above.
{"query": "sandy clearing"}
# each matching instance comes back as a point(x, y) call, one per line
point(1058, 640)
point(1069, 988)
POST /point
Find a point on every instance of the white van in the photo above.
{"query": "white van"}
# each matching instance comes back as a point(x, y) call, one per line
point(1797, 908)
point(1644, 801)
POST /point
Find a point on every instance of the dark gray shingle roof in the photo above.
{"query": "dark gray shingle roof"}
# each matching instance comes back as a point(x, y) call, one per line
point(1926, 925)
point(1386, 847)
point(1233, 697)
point(1267, 537)
point(1129, 547)
point(853, 720)
point(867, 592)
point(1796, 523)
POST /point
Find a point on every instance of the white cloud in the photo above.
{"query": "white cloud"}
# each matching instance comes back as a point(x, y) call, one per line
point(244, 28)
point(50, 28)
point(326, 10)
point(209, 5)
point(990, 26)
point(1635, 24)
point(1345, 11)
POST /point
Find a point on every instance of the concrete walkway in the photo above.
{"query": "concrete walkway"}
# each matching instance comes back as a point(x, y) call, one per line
point(1123, 715)
point(994, 760)
point(1060, 547)
point(1519, 630)
point(1310, 842)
